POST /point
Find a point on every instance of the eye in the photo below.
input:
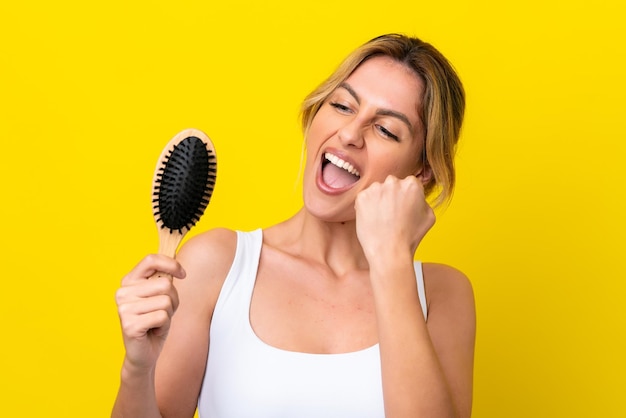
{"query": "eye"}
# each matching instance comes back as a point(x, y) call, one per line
point(341, 107)
point(387, 133)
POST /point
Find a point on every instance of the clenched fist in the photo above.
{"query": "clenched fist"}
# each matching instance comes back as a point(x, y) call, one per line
point(146, 305)
point(392, 217)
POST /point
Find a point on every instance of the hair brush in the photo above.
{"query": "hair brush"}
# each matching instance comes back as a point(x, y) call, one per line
point(182, 187)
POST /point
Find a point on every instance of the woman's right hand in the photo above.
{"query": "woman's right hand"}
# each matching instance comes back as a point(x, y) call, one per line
point(146, 305)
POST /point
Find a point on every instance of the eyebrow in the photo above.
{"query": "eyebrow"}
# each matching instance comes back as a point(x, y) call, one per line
point(382, 112)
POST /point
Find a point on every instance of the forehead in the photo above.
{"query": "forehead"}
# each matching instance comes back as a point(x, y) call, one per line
point(389, 84)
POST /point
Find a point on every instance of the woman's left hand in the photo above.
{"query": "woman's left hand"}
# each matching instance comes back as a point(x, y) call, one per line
point(392, 216)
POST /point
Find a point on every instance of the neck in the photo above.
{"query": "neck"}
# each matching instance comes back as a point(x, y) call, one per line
point(334, 244)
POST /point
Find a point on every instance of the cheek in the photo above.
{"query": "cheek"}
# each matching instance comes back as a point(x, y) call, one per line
point(325, 123)
point(312, 138)
point(317, 124)
point(413, 166)
point(399, 164)
point(411, 161)
point(319, 132)
point(313, 141)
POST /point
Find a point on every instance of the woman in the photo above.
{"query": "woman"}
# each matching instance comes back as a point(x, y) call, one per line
point(325, 314)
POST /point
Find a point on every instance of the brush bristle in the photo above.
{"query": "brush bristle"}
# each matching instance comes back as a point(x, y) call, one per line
point(184, 185)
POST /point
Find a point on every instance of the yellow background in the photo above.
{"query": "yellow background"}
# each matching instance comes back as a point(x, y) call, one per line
point(91, 91)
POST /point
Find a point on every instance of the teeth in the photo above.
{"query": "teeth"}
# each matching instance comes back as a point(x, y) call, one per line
point(342, 164)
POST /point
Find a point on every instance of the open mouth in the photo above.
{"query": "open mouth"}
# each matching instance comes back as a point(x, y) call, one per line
point(337, 173)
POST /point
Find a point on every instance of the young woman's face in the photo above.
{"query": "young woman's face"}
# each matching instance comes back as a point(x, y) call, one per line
point(367, 129)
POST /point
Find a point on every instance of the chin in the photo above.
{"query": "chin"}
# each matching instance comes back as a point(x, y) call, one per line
point(327, 212)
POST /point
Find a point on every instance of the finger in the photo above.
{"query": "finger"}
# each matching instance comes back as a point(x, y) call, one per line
point(391, 179)
point(138, 326)
point(141, 315)
point(413, 181)
point(144, 306)
point(152, 264)
point(159, 286)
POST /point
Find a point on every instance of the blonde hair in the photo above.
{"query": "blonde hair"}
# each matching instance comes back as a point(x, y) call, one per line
point(443, 103)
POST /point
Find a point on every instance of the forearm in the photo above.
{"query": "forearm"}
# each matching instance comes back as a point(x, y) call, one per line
point(136, 397)
point(413, 380)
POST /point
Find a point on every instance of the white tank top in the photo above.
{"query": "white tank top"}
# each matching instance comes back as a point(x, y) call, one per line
point(246, 377)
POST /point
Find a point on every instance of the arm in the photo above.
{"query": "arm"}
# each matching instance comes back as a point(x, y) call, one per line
point(426, 368)
point(145, 309)
point(452, 328)
point(163, 378)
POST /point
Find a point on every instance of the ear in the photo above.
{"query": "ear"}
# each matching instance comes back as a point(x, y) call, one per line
point(425, 174)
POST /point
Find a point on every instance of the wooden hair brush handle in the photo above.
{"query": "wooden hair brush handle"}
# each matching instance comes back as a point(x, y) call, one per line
point(183, 183)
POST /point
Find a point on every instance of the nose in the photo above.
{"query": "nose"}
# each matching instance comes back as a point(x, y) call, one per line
point(351, 134)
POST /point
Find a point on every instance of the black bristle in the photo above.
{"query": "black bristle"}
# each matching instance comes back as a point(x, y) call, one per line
point(184, 185)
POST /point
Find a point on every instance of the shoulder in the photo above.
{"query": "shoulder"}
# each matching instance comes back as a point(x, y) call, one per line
point(207, 259)
point(441, 278)
point(215, 246)
point(447, 288)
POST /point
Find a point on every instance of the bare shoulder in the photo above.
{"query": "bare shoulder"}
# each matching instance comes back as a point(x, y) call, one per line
point(445, 283)
point(215, 248)
point(207, 259)
point(450, 298)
